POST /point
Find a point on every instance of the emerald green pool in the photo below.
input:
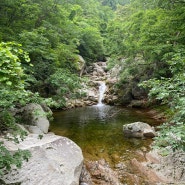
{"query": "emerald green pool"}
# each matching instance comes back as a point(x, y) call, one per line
point(98, 131)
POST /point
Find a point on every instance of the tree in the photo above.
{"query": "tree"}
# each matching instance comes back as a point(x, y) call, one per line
point(91, 44)
point(12, 93)
point(12, 74)
point(150, 36)
point(171, 92)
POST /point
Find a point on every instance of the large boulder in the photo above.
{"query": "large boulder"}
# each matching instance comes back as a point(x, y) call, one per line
point(34, 119)
point(171, 166)
point(55, 160)
point(138, 93)
point(161, 169)
point(139, 130)
point(125, 96)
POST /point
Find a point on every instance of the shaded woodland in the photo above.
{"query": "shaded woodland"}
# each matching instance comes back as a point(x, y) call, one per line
point(41, 40)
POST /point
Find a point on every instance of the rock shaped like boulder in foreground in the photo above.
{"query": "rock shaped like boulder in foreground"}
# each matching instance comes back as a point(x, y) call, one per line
point(35, 119)
point(55, 160)
point(139, 130)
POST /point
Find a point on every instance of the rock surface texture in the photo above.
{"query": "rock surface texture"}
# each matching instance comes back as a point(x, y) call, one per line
point(172, 166)
point(100, 173)
point(55, 160)
point(161, 170)
point(97, 73)
point(34, 119)
point(139, 130)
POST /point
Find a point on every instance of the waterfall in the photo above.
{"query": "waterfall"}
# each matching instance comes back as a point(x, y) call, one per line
point(102, 89)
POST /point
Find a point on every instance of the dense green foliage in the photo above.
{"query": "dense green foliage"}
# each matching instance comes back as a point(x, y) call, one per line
point(54, 33)
point(171, 91)
point(12, 92)
point(150, 37)
point(40, 43)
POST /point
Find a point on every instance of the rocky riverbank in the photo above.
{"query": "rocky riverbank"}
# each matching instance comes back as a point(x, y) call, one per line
point(149, 168)
point(58, 160)
point(128, 94)
point(54, 160)
point(96, 75)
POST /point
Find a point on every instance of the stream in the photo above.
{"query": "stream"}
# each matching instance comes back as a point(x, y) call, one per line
point(98, 131)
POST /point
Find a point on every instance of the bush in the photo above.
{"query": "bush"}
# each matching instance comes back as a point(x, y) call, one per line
point(12, 93)
point(171, 91)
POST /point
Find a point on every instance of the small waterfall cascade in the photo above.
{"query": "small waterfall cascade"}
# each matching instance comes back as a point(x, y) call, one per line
point(102, 89)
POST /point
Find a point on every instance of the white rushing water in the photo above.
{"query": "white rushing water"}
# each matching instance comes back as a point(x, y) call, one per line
point(102, 89)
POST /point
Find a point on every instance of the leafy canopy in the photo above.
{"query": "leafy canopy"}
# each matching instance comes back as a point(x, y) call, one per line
point(12, 92)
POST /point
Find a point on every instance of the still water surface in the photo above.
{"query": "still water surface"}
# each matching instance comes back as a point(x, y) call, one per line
point(98, 131)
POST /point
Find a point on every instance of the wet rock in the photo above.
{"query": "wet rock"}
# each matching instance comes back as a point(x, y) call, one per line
point(101, 173)
point(97, 73)
point(148, 173)
point(138, 130)
point(85, 177)
point(149, 133)
point(83, 183)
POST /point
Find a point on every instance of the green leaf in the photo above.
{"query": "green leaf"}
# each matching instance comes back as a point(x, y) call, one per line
point(9, 83)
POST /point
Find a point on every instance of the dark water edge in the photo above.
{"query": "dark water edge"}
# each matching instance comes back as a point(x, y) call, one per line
point(98, 131)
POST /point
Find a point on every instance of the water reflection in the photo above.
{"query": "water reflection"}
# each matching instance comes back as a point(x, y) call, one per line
point(98, 130)
point(102, 112)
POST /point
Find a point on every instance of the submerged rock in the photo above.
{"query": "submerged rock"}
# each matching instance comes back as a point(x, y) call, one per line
point(55, 160)
point(139, 130)
point(101, 173)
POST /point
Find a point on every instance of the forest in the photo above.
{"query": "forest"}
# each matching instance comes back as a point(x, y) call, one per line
point(40, 44)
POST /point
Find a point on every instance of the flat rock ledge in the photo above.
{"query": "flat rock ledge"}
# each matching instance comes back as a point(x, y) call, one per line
point(156, 169)
point(55, 160)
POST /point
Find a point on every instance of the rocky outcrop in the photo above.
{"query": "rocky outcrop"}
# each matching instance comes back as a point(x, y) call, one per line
point(151, 168)
point(157, 169)
point(139, 130)
point(97, 74)
point(100, 173)
point(55, 160)
point(34, 118)
point(131, 94)
point(171, 166)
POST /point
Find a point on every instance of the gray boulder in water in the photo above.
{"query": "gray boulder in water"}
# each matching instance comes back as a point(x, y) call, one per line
point(139, 130)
